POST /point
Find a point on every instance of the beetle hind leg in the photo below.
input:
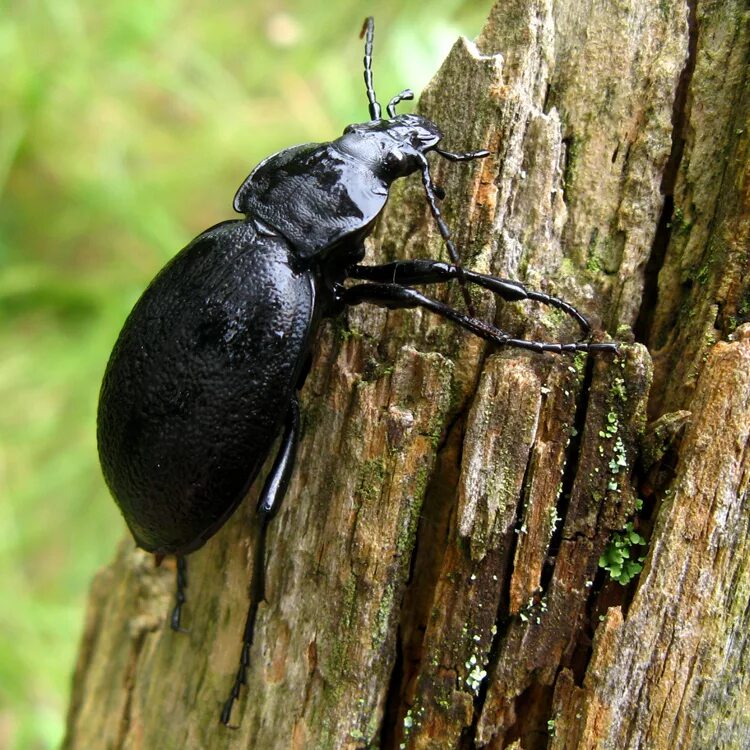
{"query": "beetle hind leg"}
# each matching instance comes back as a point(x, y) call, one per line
point(256, 596)
point(278, 479)
point(179, 595)
point(269, 503)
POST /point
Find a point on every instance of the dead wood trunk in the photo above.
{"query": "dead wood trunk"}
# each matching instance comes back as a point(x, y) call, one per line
point(433, 577)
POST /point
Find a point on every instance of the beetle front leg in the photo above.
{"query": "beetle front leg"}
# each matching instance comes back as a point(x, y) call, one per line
point(396, 297)
point(269, 503)
point(424, 271)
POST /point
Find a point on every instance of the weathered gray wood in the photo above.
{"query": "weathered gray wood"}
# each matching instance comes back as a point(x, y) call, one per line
point(432, 576)
point(674, 671)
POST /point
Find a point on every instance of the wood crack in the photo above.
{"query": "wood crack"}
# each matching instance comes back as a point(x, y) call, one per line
point(680, 120)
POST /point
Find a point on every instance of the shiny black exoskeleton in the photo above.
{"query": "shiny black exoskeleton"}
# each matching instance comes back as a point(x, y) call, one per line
point(205, 373)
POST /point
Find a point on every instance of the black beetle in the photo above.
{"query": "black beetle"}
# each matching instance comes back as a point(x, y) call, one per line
point(205, 373)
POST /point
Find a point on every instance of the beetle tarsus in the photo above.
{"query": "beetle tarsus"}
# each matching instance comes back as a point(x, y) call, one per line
point(257, 595)
point(465, 156)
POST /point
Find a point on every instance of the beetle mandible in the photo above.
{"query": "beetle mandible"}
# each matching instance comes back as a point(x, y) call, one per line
point(205, 373)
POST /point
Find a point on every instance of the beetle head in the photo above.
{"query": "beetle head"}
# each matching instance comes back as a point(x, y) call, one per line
point(390, 148)
point(416, 131)
point(396, 147)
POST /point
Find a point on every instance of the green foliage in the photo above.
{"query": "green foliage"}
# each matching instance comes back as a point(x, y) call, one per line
point(619, 558)
point(124, 130)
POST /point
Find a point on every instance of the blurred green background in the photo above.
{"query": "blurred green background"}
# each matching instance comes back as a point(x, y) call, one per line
point(125, 128)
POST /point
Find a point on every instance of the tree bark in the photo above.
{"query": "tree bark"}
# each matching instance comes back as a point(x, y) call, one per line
point(432, 578)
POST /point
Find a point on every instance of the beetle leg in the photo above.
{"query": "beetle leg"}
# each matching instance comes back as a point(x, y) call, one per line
point(435, 271)
point(179, 596)
point(271, 496)
point(465, 156)
point(278, 478)
point(445, 233)
point(257, 585)
point(395, 297)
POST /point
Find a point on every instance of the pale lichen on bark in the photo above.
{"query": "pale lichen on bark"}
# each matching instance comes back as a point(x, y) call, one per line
point(433, 575)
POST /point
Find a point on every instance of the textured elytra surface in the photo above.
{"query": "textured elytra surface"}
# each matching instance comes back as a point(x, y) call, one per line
point(433, 574)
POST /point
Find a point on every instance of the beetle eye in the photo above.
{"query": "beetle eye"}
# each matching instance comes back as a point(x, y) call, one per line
point(394, 158)
point(397, 162)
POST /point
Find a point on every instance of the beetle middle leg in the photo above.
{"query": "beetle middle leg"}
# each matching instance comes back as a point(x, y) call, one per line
point(425, 271)
point(269, 503)
point(396, 297)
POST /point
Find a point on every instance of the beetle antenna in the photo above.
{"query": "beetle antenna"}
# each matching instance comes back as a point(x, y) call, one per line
point(406, 94)
point(368, 31)
point(445, 233)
